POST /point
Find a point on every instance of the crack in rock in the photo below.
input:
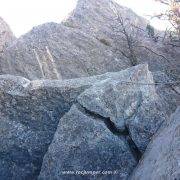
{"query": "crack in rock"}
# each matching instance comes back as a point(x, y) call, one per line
point(111, 126)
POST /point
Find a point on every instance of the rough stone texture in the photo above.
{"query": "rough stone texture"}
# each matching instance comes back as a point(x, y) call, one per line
point(83, 143)
point(55, 51)
point(87, 43)
point(170, 94)
point(161, 161)
point(6, 35)
point(87, 136)
point(99, 18)
point(135, 106)
point(106, 121)
point(29, 114)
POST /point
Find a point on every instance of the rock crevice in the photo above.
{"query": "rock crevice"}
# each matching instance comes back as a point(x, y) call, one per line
point(112, 128)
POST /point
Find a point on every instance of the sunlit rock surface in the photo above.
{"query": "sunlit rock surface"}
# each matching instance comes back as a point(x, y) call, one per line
point(89, 42)
point(161, 160)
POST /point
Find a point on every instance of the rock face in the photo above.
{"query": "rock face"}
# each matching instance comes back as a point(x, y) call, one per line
point(131, 107)
point(6, 35)
point(93, 127)
point(107, 129)
point(54, 51)
point(161, 160)
point(89, 42)
point(30, 112)
point(83, 143)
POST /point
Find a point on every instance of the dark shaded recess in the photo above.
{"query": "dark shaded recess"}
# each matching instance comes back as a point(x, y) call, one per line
point(105, 42)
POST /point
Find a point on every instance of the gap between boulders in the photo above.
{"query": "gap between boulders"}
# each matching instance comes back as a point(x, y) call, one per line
point(111, 126)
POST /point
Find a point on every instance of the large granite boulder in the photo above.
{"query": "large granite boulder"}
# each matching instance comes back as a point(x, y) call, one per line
point(105, 122)
point(102, 19)
point(162, 159)
point(107, 129)
point(29, 114)
point(132, 105)
point(88, 43)
point(84, 146)
point(57, 51)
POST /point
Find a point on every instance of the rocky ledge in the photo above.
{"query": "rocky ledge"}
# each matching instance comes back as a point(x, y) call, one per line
point(99, 123)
